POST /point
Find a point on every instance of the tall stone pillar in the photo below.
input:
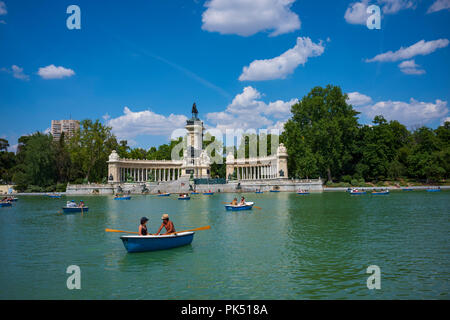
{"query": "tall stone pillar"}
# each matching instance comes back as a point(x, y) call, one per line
point(282, 156)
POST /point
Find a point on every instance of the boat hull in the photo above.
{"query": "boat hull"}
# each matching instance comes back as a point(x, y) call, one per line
point(185, 198)
point(433, 190)
point(123, 198)
point(153, 243)
point(259, 192)
point(164, 195)
point(380, 193)
point(195, 193)
point(75, 210)
point(54, 197)
point(274, 191)
point(302, 192)
point(5, 204)
point(208, 193)
point(247, 206)
point(407, 189)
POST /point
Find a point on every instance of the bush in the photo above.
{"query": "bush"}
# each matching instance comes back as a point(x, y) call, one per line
point(354, 182)
point(346, 178)
point(34, 189)
point(61, 187)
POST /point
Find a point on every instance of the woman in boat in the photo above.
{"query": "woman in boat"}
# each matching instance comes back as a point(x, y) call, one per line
point(242, 201)
point(166, 224)
point(234, 202)
point(143, 227)
point(82, 205)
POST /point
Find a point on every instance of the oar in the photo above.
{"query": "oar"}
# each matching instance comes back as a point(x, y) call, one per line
point(196, 229)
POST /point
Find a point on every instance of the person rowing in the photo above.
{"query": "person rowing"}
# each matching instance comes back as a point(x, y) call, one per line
point(242, 203)
point(71, 204)
point(234, 202)
point(143, 227)
point(166, 223)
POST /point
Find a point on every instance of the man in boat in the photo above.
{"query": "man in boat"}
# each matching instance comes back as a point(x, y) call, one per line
point(71, 204)
point(82, 205)
point(143, 227)
point(242, 201)
point(166, 223)
point(234, 202)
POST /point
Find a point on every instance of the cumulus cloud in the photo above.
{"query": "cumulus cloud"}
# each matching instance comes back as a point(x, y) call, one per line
point(409, 113)
point(358, 99)
point(3, 10)
point(420, 48)
point(53, 72)
point(439, 5)
point(248, 111)
point(410, 67)
point(446, 119)
point(17, 72)
point(247, 17)
point(280, 67)
point(356, 13)
point(132, 124)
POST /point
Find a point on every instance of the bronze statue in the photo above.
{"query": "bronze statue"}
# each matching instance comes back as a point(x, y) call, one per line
point(194, 109)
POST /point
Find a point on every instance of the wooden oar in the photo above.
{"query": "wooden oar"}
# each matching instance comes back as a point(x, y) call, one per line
point(196, 229)
point(259, 208)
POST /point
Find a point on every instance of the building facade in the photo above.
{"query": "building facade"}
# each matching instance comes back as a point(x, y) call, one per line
point(69, 127)
point(196, 163)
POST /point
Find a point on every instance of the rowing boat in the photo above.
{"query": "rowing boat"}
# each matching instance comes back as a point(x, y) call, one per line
point(184, 198)
point(123, 198)
point(433, 190)
point(246, 206)
point(208, 193)
point(5, 204)
point(380, 192)
point(195, 192)
point(407, 189)
point(164, 195)
point(54, 196)
point(274, 190)
point(306, 192)
point(259, 192)
point(75, 209)
point(153, 243)
point(357, 192)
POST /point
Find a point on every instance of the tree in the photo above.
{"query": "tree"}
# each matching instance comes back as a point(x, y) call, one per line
point(328, 126)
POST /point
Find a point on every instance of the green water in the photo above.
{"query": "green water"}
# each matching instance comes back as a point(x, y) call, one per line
point(297, 247)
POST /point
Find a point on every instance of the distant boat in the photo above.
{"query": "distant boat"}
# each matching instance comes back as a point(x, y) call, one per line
point(407, 189)
point(433, 190)
point(259, 191)
point(274, 190)
point(54, 196)
point(123, 198)
point(195, 192)
point(208, 193)
point(380, 192)
point(163, 194)
point(5, 204)
point(303, 192)
point(246, 206)
point(357, 192)
point(153, 243)
point(75, 209)
point(184, 198)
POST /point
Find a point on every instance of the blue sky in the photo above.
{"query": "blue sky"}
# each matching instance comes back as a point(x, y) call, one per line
point(139, 65)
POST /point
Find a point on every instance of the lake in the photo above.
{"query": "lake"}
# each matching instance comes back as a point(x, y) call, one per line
point(315, 246)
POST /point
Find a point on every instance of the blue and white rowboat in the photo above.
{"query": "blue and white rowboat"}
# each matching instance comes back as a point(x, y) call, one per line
point(247, 206)
point(123, 198)
point(274, 190)
point(357, 192)
point(164, 195)
point(303, 192)
point(75, 209)
point(54, 196)
point(407, 189)
point(184, 198)
point(5, 204)
point(208, 193)
point(433, 190)
point(380, 192)
point(259, 192)
point(153, 243)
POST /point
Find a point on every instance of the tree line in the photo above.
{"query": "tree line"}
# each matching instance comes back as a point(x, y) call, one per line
point(324, 139)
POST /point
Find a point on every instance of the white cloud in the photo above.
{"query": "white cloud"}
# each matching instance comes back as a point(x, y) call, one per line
point(410, 67)
point(420, 48)
point(248, 111)
point(446, 119)
point(17, 72)
point(247, 17)
point(356, 13)
point(280, 67)
point(132, 124)
point(358, 99)
point(408, 113)
point(53, 72)
point(3, 10)
point(439, 5)
point(394, 6)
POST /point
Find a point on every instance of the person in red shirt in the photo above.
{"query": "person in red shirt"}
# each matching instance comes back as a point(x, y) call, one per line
point(166, 224)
